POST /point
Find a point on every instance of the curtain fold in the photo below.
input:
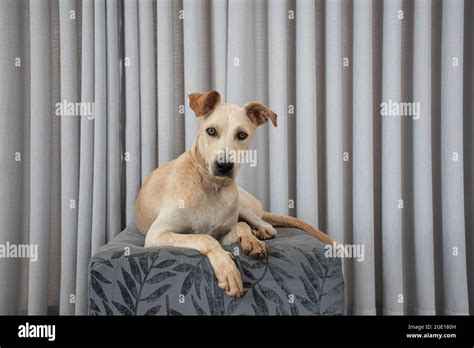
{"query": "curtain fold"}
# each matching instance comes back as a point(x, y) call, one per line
point(86, 171)
point(392, 199)
point(306, 123)
point(469, 145)
point(373, 145)
point(41, 127)
point(114, 121)
point(278, 102)
point(363, 161)
point(147, 88)
point(11, 159)
point(422, 154)
point(131, 155)
point(69, 152)
point(454, 229)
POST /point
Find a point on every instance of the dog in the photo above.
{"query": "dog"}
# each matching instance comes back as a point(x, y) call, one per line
point(194, 201)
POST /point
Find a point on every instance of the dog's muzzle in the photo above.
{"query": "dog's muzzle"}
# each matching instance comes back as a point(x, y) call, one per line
point(223, 168)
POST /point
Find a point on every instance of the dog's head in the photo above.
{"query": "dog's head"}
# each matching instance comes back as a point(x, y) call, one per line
point(226, 131)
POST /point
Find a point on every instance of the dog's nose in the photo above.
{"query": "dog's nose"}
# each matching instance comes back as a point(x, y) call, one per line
point(224, 168)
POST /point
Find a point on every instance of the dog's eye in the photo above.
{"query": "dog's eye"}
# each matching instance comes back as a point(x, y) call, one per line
point(211, 131)
point(241, 135)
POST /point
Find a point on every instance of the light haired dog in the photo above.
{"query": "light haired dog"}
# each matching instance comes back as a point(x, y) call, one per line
point(194, 202)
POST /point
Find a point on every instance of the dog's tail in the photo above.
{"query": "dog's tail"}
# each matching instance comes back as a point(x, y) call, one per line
point(289, 221)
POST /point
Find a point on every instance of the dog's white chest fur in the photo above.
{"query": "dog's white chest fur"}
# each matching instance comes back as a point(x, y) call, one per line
point(216, 214)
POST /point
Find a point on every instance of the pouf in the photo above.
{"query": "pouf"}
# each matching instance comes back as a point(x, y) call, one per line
point(295, 279)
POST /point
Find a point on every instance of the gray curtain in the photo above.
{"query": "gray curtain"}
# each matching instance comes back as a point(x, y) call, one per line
point(403, 187)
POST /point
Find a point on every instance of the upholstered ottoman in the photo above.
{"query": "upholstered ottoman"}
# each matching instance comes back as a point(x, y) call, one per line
point(295, 279)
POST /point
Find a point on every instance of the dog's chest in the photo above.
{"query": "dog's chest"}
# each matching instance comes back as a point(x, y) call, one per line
point(216, 214)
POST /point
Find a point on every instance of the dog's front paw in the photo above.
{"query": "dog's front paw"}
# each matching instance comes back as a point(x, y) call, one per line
point(253, 247)
point(267, 232)
point(227, 274)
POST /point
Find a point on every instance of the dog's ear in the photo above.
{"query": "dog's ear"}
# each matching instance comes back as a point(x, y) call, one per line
point(202, 103)
point(260, 113)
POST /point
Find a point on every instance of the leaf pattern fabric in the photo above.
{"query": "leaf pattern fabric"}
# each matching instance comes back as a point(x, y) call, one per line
point(295, 279)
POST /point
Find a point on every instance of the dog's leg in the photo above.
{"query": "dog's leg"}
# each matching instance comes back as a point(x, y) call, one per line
point(251, 211)
point(227, 274)
point(242, 234)
point(261, 229)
